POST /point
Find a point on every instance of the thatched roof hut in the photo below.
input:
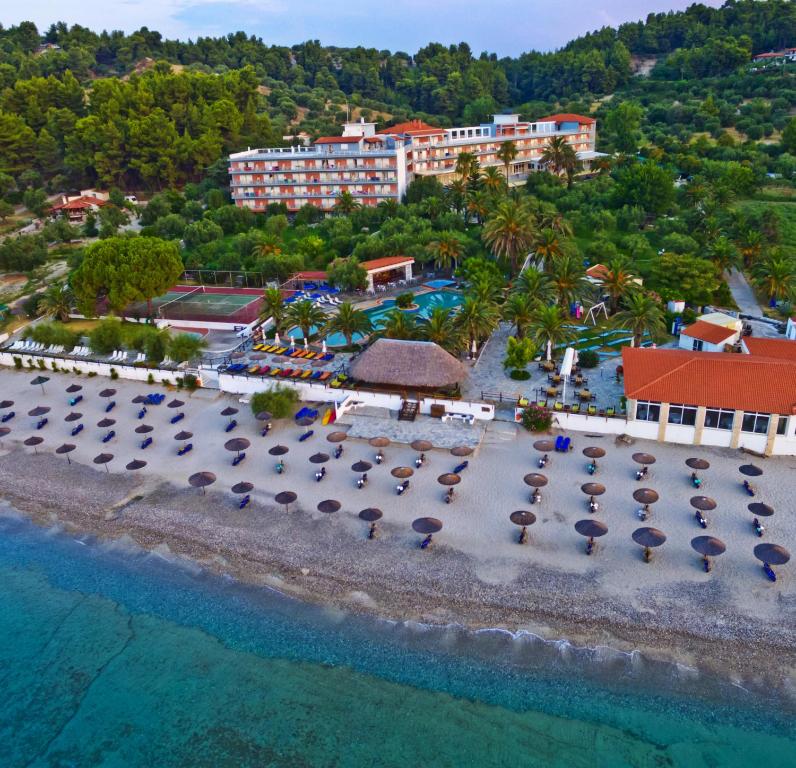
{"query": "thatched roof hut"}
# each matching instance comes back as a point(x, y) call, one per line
point(399, 363)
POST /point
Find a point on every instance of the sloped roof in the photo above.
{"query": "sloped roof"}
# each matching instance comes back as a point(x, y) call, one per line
point(567, 117)
point(718, 380)
point(710, 332)
point(338, 140)
point(386, 261)
point(401, 363)
point(779, 349)
point(409, 125)
point(79, 203)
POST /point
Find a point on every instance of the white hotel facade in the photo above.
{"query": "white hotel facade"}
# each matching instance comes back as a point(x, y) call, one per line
point(375, 166)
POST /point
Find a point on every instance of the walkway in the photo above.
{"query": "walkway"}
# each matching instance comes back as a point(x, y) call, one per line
point(747, 304)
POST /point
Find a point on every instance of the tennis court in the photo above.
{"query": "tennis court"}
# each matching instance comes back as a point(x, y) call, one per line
point(237, 306)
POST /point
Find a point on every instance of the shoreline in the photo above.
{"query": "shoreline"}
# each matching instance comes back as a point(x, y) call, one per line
point(329, 562)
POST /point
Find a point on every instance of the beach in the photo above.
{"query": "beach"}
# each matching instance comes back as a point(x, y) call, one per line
point(732, 621)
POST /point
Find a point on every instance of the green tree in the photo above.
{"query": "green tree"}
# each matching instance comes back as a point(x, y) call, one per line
point(775, 275)
point(646, 185)
point(617, 281)
point(519, 352)
point(57, 301)
point(478, 319)
point(549, 329)
point(274, 307)
point(186, 347)
point(345, 204)
point(623, 123)
point(510, 232)
point(349, 322)
point(106, 336)
point(535, 284)
point(446, 250)
point(35, 201)
point(347, 274)
point(279, 401)
point(567, 277)
point(789, 136)
point(155, 346)
point(442, 328)
point(559, 155)
point(519, 310)
point(6, 210)
point(724, 254)
point(642, 315)
point(506, 153)
point(397, 325)
point(306, 316)
point(466, 165)
point(685, 278)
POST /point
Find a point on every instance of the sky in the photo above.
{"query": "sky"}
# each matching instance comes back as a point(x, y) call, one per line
point(506, 27)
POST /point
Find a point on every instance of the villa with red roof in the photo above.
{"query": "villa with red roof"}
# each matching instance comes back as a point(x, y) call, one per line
point(77, 207)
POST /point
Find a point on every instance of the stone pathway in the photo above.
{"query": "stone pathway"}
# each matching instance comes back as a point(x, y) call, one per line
point(441, 434)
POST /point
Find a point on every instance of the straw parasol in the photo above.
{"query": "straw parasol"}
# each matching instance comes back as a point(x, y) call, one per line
point(773, 554)
point(379, 442)
point(242, 487)
point(407, 364)
point(427, 525)
point(143, 429)
point(758, 508)
point(703, 503)
point(361, 466)
point(593, 452)
point(278, 450)
point(591, 528)
point(74, 416)
point(336, 437)
point(257, 356)
point(66, 448)
point(697, 463)
point(449, 478)
point(136, 464)
point(237, 444)
point(535, 480)
point(103, 458)
point(593, 489)
point(39, 381)
point(286, 498)
point(545, 446)
point(237, 355)
point(39, 410)
point(105, 423)
point(263, 416)
point(175, 403)
point(319, 458)
point(139, 400)
point(72, 388)
point(32, 442)
point(709, 546)
point(107, 392)
point(371, 514)
point(229, 411)
point(461, 450)
point(305, 421)
point(750, 470)
point(421, 445)
point(327, 506)
point(643, 458)
point(522, 517)
point(4, 431)
point(183, 436)
point(402, 472)
point(201, 480)
point(649, 537)
point(6, 403)
point(645, 495)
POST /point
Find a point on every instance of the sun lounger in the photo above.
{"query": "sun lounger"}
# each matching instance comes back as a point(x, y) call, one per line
point(316, 375)
point(286, 372)
point(325, 375)
point(306, 435)
point(296, 373)
point(306, 374)
point(253, 369)
point(565, 445)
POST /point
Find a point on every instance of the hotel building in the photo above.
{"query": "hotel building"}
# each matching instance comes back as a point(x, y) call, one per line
point(375, 166)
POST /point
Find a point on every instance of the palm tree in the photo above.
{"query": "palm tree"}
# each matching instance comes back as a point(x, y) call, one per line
point(492, 180)
point(642, 315)
point(441, 327)
point(306, 316)
point(57, 301)
point(269, 247)
point(553, 220)
point(776, 276)
point(617, 281)
point(345, 204)
point(549, 328)
point(506, 153)
point(274, 307)
point(486, 289)
point(568, 278)
point(509, 232)
point(446, 250)
point(535, 284)
point(397, 325)
point(349, 321)
point(519, 310)
point(560, 156)
point(455, 194)
point(724, 254)
point(547, 246)
point(750, 243)
point(478, 205)
point(388, 209)
point(466, 165)
point(477, 319)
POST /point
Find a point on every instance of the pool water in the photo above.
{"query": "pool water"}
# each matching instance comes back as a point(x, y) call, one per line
point(426, 302)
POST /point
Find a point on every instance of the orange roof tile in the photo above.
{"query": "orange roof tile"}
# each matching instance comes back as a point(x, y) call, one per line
point(717, 380)
point(386, 261)
point(710, 332)
point(410, 125)
point(567, 117)
point(338, 140)
point(84, 201)
point(597, 271)
point(779, 349)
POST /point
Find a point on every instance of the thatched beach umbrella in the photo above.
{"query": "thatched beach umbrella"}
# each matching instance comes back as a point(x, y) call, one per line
point(371, 514)
point(103, 458)
point(427, 525)
point(278, 450)
point(648, 538)
point(32, 442)
point(535, 480)
point(319, 458)
point(286, 498)
point(183, 436)
point(594, 452)
point(402, 472)
point(105, 423)
point(257, 355)
point(703, 503)
point(522, 517)
point(72, 388)
point(327, 506)
point(361, 466)
point(139, 400)
point(242, 487)
point(643, 458)
point(645, 495)
point(263, 416)
point(544, 446)
point(6, 404)
point(697, 463)
point(750, 470)
point(143, 429)
point(175, 403)
point(449, 478)
point(593, 489)
point(591, 528)
point(237, 444)
point(39, 381)
point(336, 437)
point(65, 449)
point(379, 442)
point(39, 410)
point(462, 450)
point(758, 508)
point(773, 554)
point(107, 392)
point(237, 355)
point(305, 421)
point(229, 412)
point(73, 416)
point(4, 431)
point(709, 546)
point(135, 464)
point(201, 480)
point(421, 445)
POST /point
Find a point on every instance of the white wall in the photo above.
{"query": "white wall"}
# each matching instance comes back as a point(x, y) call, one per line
point(687, 342)
point(790, 329)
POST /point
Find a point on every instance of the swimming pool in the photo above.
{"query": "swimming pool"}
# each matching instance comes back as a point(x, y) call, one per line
point(426, 302)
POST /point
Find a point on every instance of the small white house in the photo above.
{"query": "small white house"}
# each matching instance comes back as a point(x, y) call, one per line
point(703, 336)
point(790, 329)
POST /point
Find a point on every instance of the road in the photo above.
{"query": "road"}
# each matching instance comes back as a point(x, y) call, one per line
point(747, 303)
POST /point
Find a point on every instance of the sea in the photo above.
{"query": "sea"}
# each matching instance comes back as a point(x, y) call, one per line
point(110, 656)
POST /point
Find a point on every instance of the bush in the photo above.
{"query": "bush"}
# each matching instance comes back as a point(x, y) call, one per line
point(279, 401)
point(52, 333)
point(150, 379)
point(18, 363)
point(536, 419)
point(518, 374)
point(190, 381)
point(114, 374)
point(106, 337)
point(588, 358)
point(404, 300)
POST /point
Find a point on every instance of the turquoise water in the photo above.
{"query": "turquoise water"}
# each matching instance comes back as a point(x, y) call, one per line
point(426, 302)
point(113, 658)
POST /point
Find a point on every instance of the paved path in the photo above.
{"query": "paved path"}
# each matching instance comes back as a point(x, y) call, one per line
point(747, 303)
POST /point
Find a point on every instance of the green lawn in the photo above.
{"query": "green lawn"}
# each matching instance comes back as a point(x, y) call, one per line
point(787, 216)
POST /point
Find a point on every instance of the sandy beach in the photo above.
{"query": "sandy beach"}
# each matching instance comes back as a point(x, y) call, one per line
point(732, 620)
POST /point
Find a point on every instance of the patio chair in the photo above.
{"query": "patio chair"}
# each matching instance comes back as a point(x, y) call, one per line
point(575, 408)
point(611, 411)
point(559, 406)
point(541, 403)
point(592, 410)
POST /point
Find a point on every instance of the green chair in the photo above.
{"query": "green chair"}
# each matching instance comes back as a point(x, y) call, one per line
point(611, 411)
point(559, 406)
point(575, 408)
point(592, 410)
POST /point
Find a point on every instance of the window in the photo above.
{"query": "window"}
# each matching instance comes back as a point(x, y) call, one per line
point(648, 411)
point(782, 427)
point(697, 345)
point(719, 418)
point(682, 414)
point(755, 422)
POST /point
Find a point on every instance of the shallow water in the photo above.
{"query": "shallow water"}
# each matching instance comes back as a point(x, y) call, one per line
point(116, 658)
